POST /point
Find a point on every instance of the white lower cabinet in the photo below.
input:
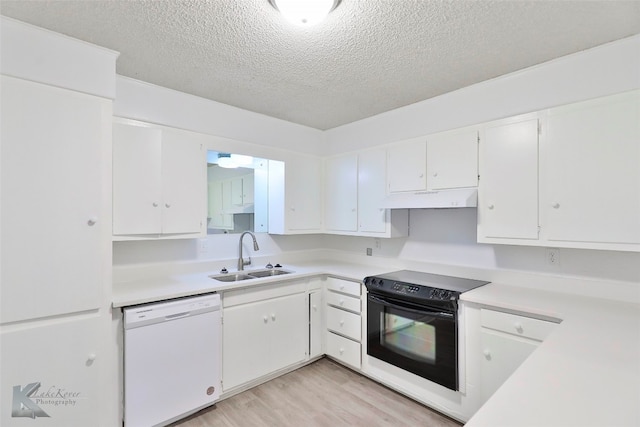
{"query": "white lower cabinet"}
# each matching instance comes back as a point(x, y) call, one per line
point(343, 311)
point(50, 374)
point(343, 349)
point(264, 330)
point(316, 329)
point(506, 341)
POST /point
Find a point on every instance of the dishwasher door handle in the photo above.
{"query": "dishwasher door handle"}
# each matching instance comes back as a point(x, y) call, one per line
point(177, 315)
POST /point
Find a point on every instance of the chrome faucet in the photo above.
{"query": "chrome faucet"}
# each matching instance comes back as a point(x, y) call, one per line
point(241, 261)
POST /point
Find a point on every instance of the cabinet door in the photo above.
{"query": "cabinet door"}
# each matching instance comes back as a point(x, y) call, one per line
point(236, 192)
point(315, 324)
point(452, 160)
point(407, 166)
point(183, 183)
point(137, 189)
point(246, 343)
point(593, 171)
point(261, 337)
point(303, 207)
point(63, 360)
point(502, 355)
point(288, 330)
point(508, 189)
point(248, 185)
point(53, 168)
point(341, 193)
point(371, 191)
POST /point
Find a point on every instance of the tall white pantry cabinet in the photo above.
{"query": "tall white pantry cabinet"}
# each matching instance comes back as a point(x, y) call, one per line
point(56, 366)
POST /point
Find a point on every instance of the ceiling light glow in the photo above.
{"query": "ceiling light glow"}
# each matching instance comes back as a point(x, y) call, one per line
point(305, 12)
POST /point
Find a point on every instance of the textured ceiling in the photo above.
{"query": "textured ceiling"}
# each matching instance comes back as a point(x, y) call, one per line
point(368, 57)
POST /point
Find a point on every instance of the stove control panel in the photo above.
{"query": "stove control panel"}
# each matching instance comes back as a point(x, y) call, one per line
point(410, 290)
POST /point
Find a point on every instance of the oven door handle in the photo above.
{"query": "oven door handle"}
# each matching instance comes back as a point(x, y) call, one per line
point(413, 310)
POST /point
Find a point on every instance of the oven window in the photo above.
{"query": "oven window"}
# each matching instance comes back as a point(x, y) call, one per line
point(413, 338)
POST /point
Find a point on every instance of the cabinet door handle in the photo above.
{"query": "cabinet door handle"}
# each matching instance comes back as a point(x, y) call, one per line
point(265, 319)
point(168, 205)
point(556, 205)
point(487, 354)
point(435, 174)
point(91, 357)
point(155, 204)
point(490, 207)
point(92, 221)
point(273, 317)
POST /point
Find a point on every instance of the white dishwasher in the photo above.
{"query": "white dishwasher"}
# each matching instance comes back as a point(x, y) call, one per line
point(172, 359)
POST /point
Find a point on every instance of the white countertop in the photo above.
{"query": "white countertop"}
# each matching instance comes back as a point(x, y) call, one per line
point(586, 373)
point(159, 288)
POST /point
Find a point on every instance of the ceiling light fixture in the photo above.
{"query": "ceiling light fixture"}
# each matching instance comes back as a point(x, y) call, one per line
point(305, 12)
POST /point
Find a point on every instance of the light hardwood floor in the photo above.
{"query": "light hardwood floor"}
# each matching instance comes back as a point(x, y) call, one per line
point(323, 393)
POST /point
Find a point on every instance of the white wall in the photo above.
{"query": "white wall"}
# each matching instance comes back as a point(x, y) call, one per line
point(155, 104)
point(448, 236)
point(604, 70)
point(40, 55)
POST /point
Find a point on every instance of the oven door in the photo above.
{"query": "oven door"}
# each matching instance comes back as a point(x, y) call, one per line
point(414, 337)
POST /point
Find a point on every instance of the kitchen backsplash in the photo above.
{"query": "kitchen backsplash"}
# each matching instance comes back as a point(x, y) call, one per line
point(440, 236)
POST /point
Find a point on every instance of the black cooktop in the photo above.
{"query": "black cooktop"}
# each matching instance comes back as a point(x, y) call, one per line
point(436, 281)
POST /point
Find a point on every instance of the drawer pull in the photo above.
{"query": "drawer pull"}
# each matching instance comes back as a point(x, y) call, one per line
point(518, 327)
point(341, 302)
point(265, 319)
point(273, 317)
point(341, 350)
point(487, 354)
point(341, 322)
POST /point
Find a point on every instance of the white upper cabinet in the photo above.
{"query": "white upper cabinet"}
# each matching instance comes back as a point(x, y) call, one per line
point(159, 182)
point(371, 191)
point(295, 195)
point(452, 160)
point(354, 191)
point(592, 172)
point(341, 193)
point(573, 181)
point(55, 148)
point(508, 188)
point(407, 165)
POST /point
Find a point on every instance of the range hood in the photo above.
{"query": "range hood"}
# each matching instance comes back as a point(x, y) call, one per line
point(455, 198)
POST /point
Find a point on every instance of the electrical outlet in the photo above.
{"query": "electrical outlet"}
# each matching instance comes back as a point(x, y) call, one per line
point(203, 245)
point(553, 257)
point(369, 251)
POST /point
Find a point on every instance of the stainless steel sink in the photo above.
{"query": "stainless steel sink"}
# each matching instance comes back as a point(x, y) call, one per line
point(267, 273)
point(248, 275)
point(231, 277)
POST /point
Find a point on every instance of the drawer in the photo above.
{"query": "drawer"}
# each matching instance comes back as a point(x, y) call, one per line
point(344, 286)
point(344, 322)
point(344, 350)
point(516, 325)
point(343, 301)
